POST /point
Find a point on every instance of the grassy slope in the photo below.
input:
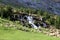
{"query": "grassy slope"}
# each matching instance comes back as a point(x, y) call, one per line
point(14, 34)
point(21, 35)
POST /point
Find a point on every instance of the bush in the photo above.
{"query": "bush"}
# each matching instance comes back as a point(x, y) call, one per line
point(5, 11)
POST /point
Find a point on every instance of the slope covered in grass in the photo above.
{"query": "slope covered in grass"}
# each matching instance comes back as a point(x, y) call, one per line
point(21, 35)
point(14, 34)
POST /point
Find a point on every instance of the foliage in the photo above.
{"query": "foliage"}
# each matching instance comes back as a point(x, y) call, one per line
point(6, 11)
point(50, 18)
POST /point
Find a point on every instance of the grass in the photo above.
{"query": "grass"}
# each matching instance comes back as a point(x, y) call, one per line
point(14, 34)
point(21, 35)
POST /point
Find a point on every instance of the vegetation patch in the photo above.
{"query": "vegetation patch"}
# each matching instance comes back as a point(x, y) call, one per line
point(6, 24)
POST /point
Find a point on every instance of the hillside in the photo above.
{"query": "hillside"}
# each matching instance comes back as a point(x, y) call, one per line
point(49, 5)
point(14, 23)
point(10, 33)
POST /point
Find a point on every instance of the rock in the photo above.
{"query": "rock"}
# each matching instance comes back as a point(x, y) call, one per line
point(51, 34)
